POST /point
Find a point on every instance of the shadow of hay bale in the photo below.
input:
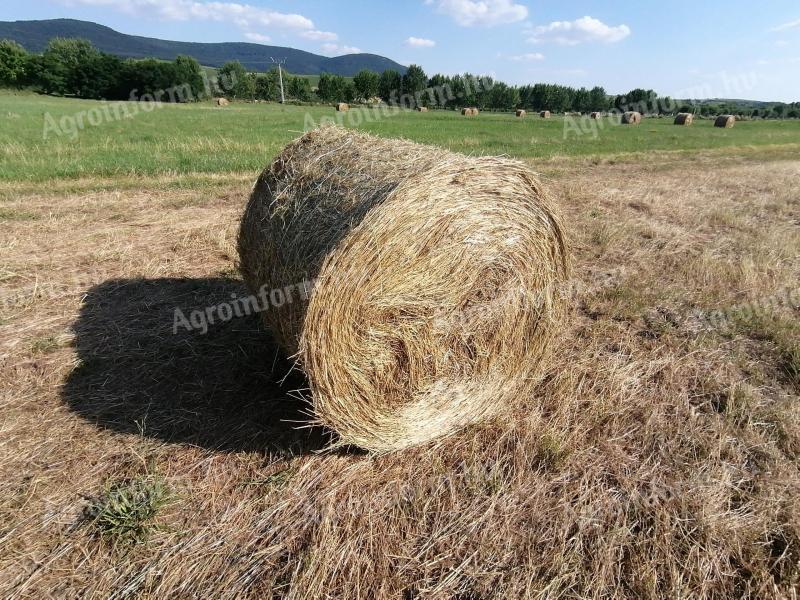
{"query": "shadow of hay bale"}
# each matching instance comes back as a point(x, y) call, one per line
point(218, 390)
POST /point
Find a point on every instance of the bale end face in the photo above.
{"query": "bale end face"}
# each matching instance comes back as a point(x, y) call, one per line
point(438, 281)
point(631, 118)
point(545, 114)
point(684, 119)
point(521, 113)
point(342, 107)
point(725, 121)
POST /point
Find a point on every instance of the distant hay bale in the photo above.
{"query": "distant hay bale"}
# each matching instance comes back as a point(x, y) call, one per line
point(595, 115)
point(521, 113)
point(422, 109)
point(631, 118)
point(437, 281)
point(545, 114)
point(685, 119)
point(342, 107)
point(469, 112)
point(221, 101)
point(725, 121)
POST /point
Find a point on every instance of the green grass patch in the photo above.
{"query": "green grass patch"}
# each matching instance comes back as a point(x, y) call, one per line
point(14, 214)
point(201, 138)
point(45, 345)
point(125, 512)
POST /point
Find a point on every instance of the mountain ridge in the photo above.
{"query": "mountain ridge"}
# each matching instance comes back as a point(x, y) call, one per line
point(34, 36)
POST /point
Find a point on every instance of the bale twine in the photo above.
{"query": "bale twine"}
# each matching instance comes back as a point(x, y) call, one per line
point(222, 101)
point(521, 113)
point(725, 121)
point(595, 115)
point(685, 119)
point(631, 118)
point(437, 281)
point(545, 114)
point(422, 109)
point(342, 107)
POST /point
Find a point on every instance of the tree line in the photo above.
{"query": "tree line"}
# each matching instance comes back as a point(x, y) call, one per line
point(74, 67)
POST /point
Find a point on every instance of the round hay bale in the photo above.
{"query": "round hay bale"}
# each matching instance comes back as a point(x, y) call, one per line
point(684, 119)
point(631, 118)
point(422, 109)
point(469, 112)
point(595, 115)
point(221, 101)
point(545, 114)
point(521, 113)
point(437, 277)
point(342, 107)
point(725, 121)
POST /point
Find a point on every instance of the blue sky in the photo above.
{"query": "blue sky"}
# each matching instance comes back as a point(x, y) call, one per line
point(734, 49)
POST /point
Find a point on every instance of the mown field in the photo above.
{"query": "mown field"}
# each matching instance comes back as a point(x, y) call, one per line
point(660, 458)
point(201, 138)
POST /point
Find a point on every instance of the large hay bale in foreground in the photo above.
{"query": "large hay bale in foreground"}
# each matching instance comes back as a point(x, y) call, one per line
point(342, 107)
point(545, 114)
point(521, 113)
point(631, 118)
point(438, 281)
point(684, 119)
point(725, 121)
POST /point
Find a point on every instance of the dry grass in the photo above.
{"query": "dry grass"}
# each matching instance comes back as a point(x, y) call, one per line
point(659, 459)
point(438, 281)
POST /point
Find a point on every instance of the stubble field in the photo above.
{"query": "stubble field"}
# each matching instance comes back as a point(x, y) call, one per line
point(659, 459)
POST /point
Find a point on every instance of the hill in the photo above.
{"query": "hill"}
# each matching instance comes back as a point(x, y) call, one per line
point(34, 36)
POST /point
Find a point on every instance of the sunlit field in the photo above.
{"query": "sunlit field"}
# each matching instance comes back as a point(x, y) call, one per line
point(657, 459)
point(241, 138)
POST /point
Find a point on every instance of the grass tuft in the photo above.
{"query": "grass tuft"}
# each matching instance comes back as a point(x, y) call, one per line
point(125, 512)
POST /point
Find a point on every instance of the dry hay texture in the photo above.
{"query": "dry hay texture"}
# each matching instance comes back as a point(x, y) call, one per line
point(438, 280)
point(545, 114)
point(521, 113)
point(469, 112)
point(595, 115)
point(222, 102)
point(725, 121)
point(631, 118)
point(342, 107)
point(422, 109)
point(685, 119)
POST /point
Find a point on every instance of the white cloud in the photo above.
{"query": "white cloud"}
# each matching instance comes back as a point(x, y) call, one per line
point(337, 50)
point(257, 37)
point(788, 26)
point(529, 57)
point(420, 42)
point(572, 33)
point(319, 36)
point(243, 15)
point(481, 12)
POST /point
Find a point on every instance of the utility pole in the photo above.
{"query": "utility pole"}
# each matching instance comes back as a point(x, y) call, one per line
point(280, 75)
